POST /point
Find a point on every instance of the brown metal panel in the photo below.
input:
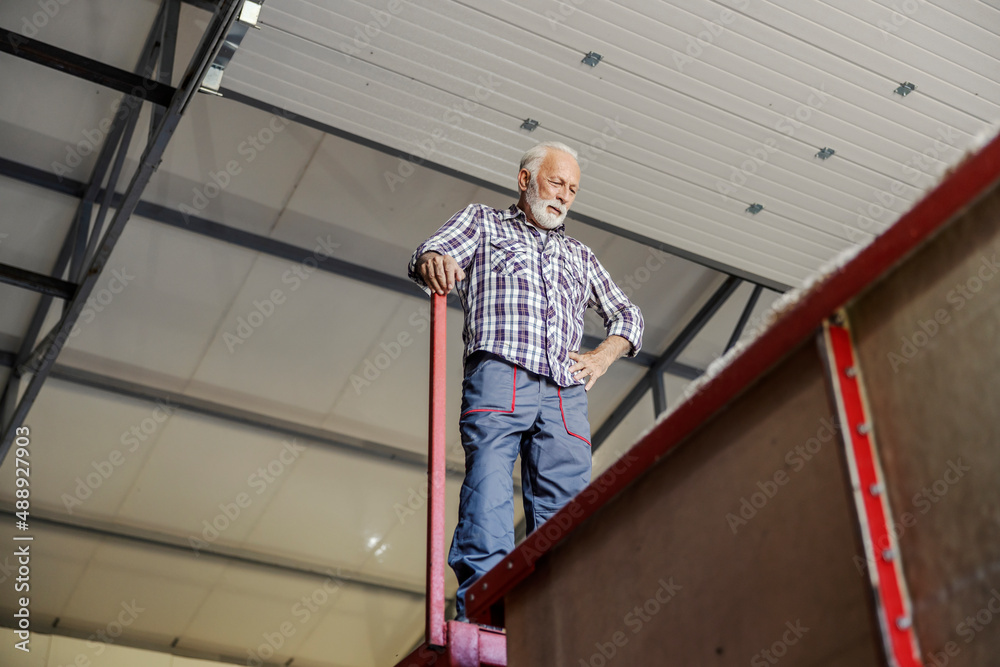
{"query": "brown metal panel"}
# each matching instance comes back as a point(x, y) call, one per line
point(928, 337)
point(665, 575)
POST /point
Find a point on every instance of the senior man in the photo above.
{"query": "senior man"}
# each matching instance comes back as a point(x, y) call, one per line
point(524, 286)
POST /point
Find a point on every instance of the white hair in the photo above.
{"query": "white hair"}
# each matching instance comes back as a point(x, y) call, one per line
point(532, 158)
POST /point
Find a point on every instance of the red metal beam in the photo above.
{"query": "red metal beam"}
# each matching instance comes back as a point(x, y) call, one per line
point(436, 631)
point(801, 320)
point(468, 645)
point(888, 586)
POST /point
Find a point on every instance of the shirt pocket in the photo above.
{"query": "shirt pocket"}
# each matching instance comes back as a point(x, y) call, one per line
point(573, 280)
point(508, 256)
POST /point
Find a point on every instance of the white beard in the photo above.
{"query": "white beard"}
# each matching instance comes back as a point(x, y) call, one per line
point(540, 207)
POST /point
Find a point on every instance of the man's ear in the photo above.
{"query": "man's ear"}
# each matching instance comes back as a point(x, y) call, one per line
point(523, 178)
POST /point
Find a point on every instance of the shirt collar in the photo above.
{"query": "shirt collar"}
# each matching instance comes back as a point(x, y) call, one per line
point(514, 213)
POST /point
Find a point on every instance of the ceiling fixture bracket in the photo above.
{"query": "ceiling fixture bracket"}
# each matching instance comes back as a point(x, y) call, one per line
point(249, 13)
point(905, 88)
point(754, 209)
point(825, 153)
point(529, 124)
point(592, 58)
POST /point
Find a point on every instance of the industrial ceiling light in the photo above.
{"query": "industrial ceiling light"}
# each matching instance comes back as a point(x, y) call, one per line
point(247, 19)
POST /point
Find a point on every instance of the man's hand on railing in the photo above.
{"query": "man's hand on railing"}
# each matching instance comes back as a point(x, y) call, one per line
point(440, 272)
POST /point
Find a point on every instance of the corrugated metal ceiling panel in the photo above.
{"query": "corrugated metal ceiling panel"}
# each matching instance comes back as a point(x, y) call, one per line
point(712, 105)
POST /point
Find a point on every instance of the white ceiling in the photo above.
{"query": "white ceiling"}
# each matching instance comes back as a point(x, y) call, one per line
point(687, 115)
point(339, 510)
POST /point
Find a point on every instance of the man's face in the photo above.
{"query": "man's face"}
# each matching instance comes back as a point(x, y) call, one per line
point(551, 191)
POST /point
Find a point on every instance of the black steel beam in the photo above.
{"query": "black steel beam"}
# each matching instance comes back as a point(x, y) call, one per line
point(488, 185)
point(183, 544)
point(281, 427)
point(659, 387)
point(212, 40)
point(207, 5)
point(168, 47)
point(37, 282)
point(744, 317)
point(74, 248)
point(88, 632)
point(274, 248)
point(669, 356)
point(89, 69)
point(41, 178)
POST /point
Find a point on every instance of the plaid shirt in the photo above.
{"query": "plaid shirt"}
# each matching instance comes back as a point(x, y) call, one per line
point(526, 291)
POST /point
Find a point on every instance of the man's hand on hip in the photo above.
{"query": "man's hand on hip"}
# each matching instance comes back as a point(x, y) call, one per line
point(592, 365)
point(440, 272)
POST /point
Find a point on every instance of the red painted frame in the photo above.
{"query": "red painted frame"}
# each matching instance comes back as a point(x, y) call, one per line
point(446, 644)
point(886, 577)
point(436, 631)
point(801, 320)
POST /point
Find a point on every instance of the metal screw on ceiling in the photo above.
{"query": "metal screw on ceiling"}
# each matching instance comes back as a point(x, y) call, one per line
point(824, 153)
point(754, 209)
point(529, 124)
point(592, 58)
point(905, 88)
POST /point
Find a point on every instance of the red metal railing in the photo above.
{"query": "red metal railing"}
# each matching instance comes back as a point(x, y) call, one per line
point(447, 643)
point(436, 630)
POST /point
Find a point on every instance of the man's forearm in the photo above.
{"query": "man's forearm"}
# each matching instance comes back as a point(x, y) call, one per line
point(615, 347)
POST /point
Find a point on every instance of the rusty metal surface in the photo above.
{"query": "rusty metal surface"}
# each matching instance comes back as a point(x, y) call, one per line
point(739, 542)
point(928, 337)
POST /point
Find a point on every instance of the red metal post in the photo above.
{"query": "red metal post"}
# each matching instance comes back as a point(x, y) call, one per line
point(885, 570)
point(436, 629)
